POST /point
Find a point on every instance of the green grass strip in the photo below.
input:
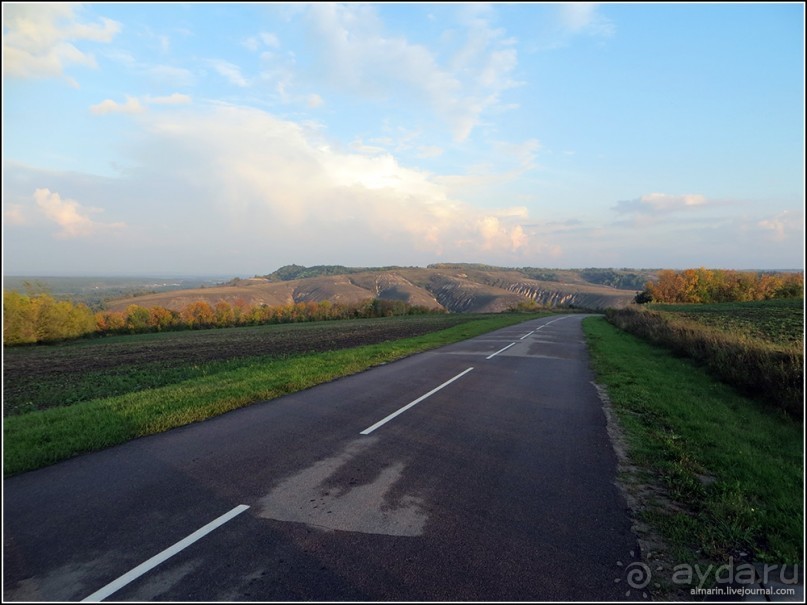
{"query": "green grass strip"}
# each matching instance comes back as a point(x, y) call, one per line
point(762, 369)
point(37, 439)
point(683, 427)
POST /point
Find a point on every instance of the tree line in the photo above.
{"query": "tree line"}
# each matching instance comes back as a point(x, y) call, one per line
point(41, 318)
point(719, 285)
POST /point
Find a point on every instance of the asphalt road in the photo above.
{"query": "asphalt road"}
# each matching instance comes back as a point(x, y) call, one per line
point(497, 486)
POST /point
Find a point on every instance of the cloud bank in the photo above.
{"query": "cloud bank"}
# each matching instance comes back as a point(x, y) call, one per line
point(262, 175)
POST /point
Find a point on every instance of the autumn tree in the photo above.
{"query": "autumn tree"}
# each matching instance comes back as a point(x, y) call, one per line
point(198, 314)
point(240, 311)
point(110, 322)
point(225, 316)
point(41, 318)
point(716, 286)
point(137, 319)
point(161, 319)
point(19, 319)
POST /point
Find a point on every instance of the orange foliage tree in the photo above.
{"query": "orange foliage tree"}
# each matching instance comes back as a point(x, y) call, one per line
point(162, 319)
point(718, 285)
point(110, 322)
point(198, 315)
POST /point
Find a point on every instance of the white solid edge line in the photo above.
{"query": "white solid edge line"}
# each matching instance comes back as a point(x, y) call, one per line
point(500, 350)
point(383, 421)
point(169, 552)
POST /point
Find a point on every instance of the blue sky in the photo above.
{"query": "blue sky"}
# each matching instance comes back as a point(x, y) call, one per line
point(232, 139)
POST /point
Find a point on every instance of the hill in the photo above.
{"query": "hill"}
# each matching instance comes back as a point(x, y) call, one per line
point(454, 287)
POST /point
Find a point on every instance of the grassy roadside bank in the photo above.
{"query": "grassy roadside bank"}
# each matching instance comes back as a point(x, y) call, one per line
point(768, 367)
point(39, 438)
point(730, 469)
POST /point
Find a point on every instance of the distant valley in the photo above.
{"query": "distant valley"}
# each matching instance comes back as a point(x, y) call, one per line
point(95, 291)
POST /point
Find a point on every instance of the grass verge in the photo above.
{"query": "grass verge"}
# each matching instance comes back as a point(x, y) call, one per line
point(764, 369)
point(40, 438)
point(731, 468)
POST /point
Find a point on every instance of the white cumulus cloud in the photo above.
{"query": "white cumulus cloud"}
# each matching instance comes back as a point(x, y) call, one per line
point(131, 106)
point(39, 39)
point(70, 216)
point(280, 181)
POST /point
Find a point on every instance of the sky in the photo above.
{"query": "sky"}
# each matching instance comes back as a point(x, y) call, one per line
point(232, 139)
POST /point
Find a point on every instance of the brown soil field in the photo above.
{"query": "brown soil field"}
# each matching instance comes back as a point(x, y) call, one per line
point(68, 362)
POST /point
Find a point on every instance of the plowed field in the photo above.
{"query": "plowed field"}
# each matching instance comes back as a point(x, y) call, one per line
point(42, 376)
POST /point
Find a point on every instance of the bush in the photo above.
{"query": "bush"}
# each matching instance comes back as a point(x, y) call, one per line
point(27, 321)
point(41, 318)
point(716, 286)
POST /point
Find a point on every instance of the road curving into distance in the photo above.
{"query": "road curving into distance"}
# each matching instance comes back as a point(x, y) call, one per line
point(481, 471)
